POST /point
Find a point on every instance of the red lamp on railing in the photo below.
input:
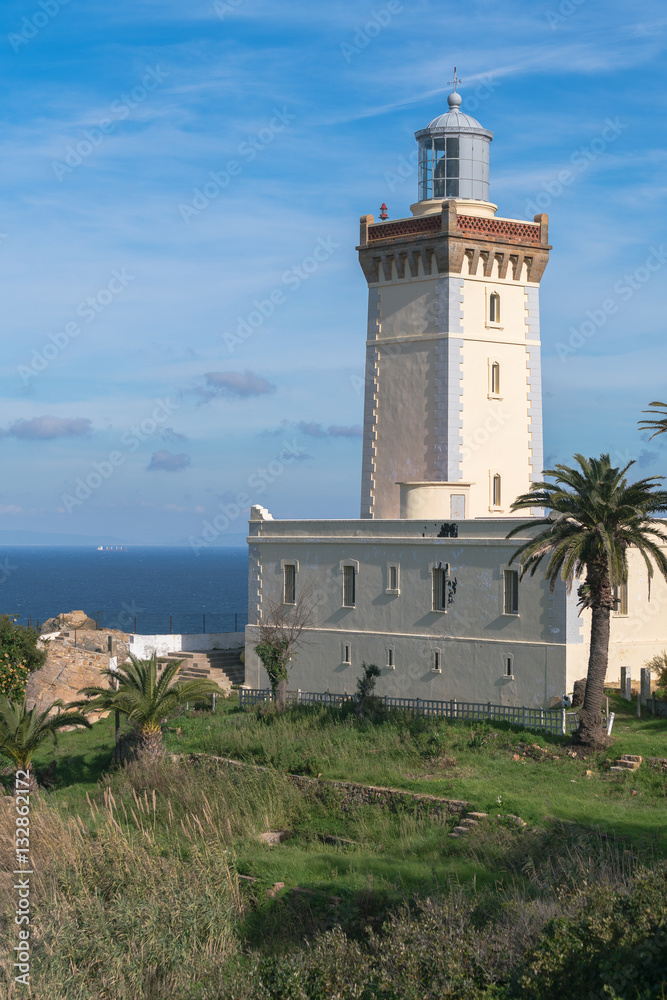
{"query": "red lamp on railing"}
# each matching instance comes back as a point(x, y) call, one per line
point(383, 212)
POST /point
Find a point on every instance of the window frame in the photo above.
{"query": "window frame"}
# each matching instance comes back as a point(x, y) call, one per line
point(511, 602)
point(441, 571)
point(344, 567)
point(395, 568)
point(621, 594)
point(436, 660)
point(289, 570)
point(496, 497)
point(390, 657)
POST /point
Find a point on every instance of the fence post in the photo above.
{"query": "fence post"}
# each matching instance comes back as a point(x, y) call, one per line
point(203, 624)
point(639, 705)
point(645, 684)
point(610, 723)
point(523, 716)
point(213, 702)
point(564, 722)
point(417, 706)
point(170, 630)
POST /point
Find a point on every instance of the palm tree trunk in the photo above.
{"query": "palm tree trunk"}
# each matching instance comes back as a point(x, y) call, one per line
point(592, 731)
point(150, 742)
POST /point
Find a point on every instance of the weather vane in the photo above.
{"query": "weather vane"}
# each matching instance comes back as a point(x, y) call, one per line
point(455, 81)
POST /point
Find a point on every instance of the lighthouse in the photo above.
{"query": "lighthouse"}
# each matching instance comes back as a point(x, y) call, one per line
point(453, 406)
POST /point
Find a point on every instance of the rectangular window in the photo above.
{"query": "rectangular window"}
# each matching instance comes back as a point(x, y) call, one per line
point(496, 491)
point(509, 668)
point(439, 589)
point(495, 379)
point(390, 657)
point(349, 586)
point(621, 598)
point(511, 592)
point(290, 584)
point(347, 653)
point(436, 660)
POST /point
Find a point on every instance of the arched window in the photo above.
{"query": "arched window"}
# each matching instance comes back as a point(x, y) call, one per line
point(495, 379)
point(495, 491)
point(494, 308)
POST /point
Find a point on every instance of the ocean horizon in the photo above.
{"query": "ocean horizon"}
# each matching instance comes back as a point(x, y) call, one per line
point(153, 589)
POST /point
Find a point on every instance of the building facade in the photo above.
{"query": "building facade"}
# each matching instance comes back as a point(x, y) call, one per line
point(422, 583)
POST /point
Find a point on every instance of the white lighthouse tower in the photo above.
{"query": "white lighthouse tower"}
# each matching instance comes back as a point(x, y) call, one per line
point(453, 414)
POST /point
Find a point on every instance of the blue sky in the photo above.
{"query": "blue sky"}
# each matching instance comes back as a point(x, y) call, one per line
point(181, 184)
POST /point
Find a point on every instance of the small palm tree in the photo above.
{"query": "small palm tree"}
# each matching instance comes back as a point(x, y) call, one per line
point(144, 699)
point(594, 516)
point(658, 421)
point(22, 732)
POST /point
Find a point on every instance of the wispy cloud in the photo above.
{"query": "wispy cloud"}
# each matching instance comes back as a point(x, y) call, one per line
point(48, 427)
point(241, 385)
point(166, 461)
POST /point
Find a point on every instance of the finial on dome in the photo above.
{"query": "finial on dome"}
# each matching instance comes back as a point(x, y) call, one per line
point(454, 99)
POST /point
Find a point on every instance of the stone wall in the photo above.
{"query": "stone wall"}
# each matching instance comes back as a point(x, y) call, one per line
point(68, 668)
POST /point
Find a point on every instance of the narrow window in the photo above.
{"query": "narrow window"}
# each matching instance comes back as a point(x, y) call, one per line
point(511, 592)
point(509, 671)
point(290, 584)
point(347, 653)
point(436, 660)
point(349, 586)
point(496, 491)
point(390, 657)
point(621, 598)
point(439, 589)
point(494, 308)
point(495, 379)
point(393, 577)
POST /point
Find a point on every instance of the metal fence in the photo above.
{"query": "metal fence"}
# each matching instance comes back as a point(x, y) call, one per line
point(548, 720)
point(163, 622)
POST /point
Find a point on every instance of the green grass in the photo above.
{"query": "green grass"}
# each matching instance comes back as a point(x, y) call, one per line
point(395, 857)
point(471, 761)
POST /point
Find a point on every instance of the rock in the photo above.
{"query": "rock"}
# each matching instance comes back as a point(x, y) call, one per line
point(579, 692)
point(273, 892)
point(69, 620)
point(274, 836)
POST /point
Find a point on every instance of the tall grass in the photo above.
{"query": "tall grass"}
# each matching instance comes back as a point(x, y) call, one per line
point(140, 897)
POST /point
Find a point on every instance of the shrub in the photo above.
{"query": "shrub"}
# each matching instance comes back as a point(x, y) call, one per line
point(658, 665)
point(19, 656)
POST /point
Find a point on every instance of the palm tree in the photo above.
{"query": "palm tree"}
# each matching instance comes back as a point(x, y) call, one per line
point(658, 423)
point(22, 732)
point(592, 517)
point(143, 698)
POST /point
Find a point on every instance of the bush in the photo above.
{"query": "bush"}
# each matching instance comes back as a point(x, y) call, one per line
point(658, 665)
point(19, 656)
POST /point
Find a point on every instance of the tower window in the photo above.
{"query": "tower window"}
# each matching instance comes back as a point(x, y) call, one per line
point(289, 593)
point(496, 491)
point(495, 379)
point(621, 598)
point(436, 663)
point(390, 657)
point(349, 586)
point(347, 653)
point(509, 666)
point(440, 589)
point(494, 308)
point(511, 598)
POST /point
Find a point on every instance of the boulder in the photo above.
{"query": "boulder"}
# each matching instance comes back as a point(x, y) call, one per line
point(69, 620)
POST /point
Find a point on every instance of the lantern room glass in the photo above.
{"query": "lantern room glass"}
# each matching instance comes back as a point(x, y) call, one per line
point(439, 167)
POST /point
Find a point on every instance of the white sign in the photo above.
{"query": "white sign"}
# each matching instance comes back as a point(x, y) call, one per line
point(113, 664)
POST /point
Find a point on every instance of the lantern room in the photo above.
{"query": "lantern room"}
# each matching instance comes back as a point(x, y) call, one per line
point(454, 156)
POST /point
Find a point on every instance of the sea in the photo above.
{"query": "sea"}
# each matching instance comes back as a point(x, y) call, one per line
point(150, 590)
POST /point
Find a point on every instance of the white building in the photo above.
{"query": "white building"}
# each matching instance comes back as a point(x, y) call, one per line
point(421, 584)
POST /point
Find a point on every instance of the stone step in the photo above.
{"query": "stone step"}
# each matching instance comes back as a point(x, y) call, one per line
point(468, 823)
point(477, 815)
point(634, 758)
point(627, 765)
point(458, 830)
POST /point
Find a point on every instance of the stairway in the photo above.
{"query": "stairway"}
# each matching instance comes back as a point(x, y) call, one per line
point(471, 820)
point(220, 665)
point(627, 762)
